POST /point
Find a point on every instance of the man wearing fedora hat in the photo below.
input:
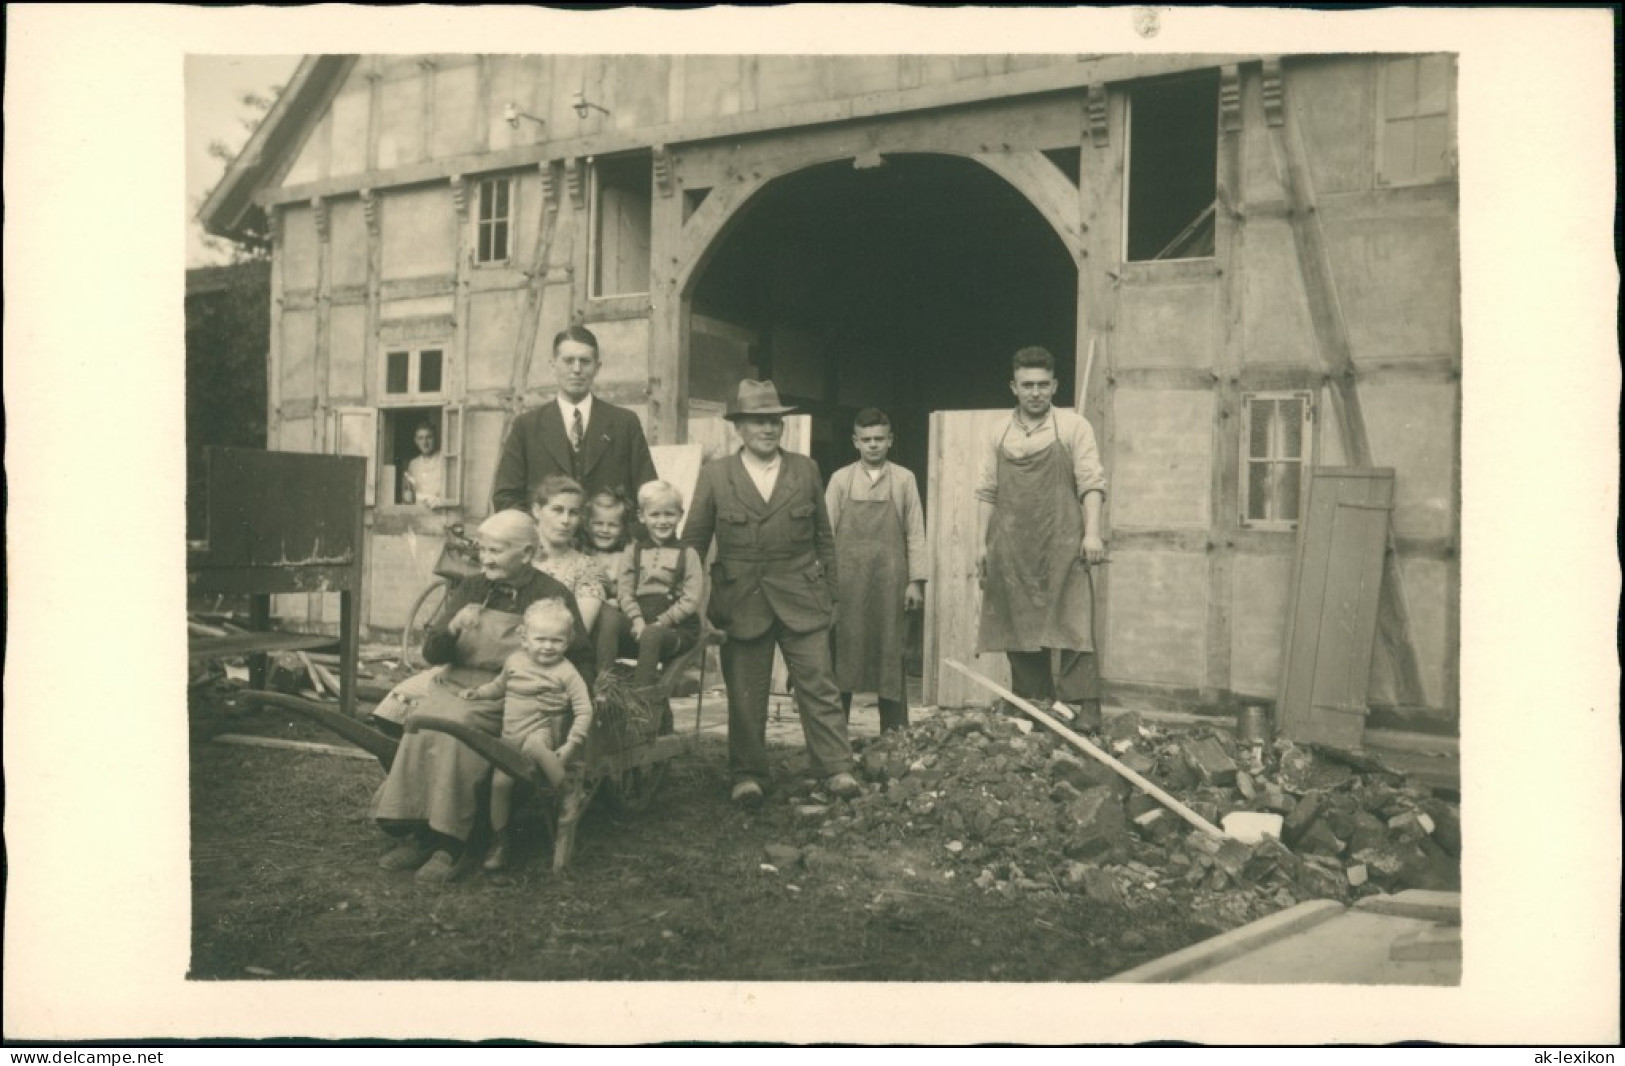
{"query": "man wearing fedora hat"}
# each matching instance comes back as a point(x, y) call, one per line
point(773, 584)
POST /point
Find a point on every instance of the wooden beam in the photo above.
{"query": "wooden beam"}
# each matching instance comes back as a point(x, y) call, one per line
point(970, 91)
point(529, 317)
point(1332, 343)
point(1229, 347)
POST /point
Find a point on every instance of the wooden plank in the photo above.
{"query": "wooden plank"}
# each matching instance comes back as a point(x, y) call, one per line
point(1333, 606)
point(1052, 79)
point(254, 644)
point(953, 606)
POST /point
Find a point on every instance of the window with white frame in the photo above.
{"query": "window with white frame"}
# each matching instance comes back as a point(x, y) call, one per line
point(410, 372)
point(1415, 130)
point(494, 224)
point(413, 439)
point(1277, 451)
point(622, 213)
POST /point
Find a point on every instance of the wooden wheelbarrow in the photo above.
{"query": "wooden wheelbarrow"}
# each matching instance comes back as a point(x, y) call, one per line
point(628, 765)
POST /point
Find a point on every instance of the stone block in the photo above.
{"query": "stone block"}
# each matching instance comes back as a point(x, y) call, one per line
point(1318, 839)
point(1123, 727)
point(1098, 825)
point(1209, 760)
point(1299, 819)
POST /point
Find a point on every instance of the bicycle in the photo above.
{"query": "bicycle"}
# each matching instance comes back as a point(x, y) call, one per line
point(459, 559)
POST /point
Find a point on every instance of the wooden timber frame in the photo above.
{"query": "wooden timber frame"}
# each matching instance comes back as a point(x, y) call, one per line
point(708, 171)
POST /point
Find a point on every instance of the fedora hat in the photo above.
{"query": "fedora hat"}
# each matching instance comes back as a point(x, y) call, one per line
point(756, 398)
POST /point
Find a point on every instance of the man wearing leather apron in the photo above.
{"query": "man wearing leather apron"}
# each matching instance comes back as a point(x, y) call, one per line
point(1039, 494)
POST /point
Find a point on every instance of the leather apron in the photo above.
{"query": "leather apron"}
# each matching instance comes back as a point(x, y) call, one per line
point(1037, 593)
point(871, 564)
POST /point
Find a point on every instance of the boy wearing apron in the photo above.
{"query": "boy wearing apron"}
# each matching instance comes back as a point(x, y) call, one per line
point(874, 507)
point(1039, 498)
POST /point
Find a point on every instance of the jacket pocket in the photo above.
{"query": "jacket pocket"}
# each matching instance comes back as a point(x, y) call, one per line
point(734, 530)
point(801, 524)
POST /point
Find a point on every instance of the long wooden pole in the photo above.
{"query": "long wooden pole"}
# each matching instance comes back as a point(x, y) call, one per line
point(1089, 749)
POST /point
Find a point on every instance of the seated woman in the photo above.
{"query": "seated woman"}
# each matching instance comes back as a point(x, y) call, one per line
point(430, 798)
point(559, 507)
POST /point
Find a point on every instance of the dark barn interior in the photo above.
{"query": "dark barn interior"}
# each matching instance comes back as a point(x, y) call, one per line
point(904, 285)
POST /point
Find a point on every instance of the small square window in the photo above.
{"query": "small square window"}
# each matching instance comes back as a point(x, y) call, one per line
point(1277, 453)
point(495, 220)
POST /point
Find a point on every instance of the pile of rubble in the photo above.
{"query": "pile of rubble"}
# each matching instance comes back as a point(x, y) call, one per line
point(1014, 808)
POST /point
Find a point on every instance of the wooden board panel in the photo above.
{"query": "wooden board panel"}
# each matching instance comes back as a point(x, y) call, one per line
point(953, 597)
point(1331, 627)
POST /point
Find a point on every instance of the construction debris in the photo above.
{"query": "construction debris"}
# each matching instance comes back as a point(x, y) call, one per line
point(1016, 811)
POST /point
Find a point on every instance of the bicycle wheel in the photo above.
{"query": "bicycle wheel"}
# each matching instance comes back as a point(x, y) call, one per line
point(422, 612)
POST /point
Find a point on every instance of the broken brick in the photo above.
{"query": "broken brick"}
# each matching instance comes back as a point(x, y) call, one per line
point(1319, 839)
point(1297, 769)
point(1138, 762)
point(1299, 819)
point(1098, 825)
point(1123, 727)
point(1245, 786)
point(1208, 760)
point(1358, 875)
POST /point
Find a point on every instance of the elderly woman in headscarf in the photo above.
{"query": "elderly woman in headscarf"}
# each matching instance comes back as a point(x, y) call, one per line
point(429, 801)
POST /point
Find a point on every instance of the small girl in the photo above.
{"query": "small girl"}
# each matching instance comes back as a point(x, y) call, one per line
point(540, 691)
point(660, 582)
point(607, 533)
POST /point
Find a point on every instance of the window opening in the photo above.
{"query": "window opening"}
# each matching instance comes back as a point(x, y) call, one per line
point(1172, 182)
point(495, 220)
point(414, 373)
point(622, 207)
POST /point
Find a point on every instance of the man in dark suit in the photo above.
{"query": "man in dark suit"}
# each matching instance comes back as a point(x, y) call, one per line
point(773, 584)
point(579, 436)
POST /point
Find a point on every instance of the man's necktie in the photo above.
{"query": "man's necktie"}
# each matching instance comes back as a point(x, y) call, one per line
point(577, 431)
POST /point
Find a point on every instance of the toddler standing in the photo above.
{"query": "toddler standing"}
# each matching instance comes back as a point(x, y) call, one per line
point(540, 692)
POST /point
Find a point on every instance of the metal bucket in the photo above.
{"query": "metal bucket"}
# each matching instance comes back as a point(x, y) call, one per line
point(1253, 725)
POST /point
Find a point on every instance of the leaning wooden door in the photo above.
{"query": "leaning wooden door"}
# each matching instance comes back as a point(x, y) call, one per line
point(953, 595)
point(1332, 609)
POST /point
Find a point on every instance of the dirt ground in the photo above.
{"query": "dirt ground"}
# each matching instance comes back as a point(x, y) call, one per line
point(285, 885)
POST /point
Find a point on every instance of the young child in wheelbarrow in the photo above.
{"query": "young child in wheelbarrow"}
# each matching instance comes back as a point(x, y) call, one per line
point(539, 690)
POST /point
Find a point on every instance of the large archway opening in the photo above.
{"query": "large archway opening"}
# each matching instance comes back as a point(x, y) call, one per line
point(904, 285)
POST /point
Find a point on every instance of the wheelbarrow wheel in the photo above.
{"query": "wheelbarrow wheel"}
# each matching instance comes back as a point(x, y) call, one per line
point(635, 789)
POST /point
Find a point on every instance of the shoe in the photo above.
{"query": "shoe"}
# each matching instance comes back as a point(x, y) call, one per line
point(497, 859)
point(746, 794)
point(438, 870)
point(844, 786)
point(408, 854)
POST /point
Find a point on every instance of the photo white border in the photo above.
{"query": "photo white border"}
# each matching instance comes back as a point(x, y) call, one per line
point(97, 935)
